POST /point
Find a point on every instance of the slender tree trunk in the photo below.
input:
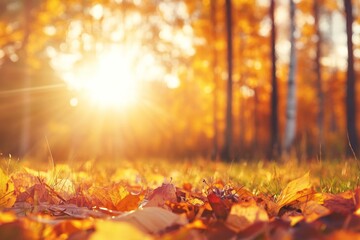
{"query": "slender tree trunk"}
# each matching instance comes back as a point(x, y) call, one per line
point(227, 151)
point(215, 75)
point(290, 127)
point(256, 124)
point(350, 84)
point(274, 125)
point(241, 100)
point(319, 87)
point(26, 107)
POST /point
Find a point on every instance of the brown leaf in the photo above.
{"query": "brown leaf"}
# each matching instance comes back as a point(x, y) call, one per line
point(357, 198)
point(161, 195)
point(343, 234)
point(39, 193)
point(243, 214)
point(268, 204)
point(77, 212)
point(313, 210)
point(254, 231)
point(219, 230)
point(16, 230)
point(339, 204)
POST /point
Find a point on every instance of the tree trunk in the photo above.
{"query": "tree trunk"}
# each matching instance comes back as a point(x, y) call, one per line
point(256, 124)
point(290, 127)
point(274, 125)
point(319, 87)
point(350, 85)
point(242, 103)
point(215, 150)
point(227, 151)
point(26, 83)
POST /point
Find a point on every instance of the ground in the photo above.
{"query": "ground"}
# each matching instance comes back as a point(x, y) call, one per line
point(179, 199)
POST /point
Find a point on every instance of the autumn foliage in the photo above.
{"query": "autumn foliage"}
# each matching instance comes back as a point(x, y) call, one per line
point(91, 82)
point(38, 205)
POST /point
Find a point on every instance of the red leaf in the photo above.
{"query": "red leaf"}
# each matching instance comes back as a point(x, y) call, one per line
point(221, 210)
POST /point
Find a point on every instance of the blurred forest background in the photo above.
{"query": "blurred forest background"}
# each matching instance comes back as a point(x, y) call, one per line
point(226, 79)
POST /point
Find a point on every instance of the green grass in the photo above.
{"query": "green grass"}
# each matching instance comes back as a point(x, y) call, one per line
point(258, 177)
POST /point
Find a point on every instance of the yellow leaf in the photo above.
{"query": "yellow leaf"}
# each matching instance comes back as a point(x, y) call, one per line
point(117, 230)
point(152, 219)
point(6, 217)
point(7, 195)
point(295, 190)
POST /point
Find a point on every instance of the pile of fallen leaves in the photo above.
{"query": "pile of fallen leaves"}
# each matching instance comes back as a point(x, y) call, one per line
point(33, 207)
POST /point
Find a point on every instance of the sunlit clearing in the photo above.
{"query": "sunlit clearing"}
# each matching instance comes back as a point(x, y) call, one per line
point(113, 83)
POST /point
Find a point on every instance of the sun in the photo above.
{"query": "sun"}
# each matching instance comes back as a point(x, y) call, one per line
point(113, 83)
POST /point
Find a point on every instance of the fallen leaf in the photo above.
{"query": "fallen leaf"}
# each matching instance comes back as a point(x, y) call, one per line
point(105, 230)
point(187, 186)
point(129, 202)
point(313, 210)
point(296, 190)
point(16, 230)
point(339, 204)
point(184, 233)
point(268, 204)
point(161, 195)
point(254, 231)
point(152, 219)
point(244, 214)
point(343, 234)
point(304, 230)
point(219, 230)
point(6, 217)
point(69, 228)
point(218, 205)
point(38, 193)
point(7, 195)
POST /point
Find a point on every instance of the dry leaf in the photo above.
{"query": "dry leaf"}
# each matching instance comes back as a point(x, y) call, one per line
point(69, 228)
point(337, 203)
point(38, 193)
point(343, 234)
point(357, 198)
point(242, 215)
point(105, 230)
point(128, 203)
point(6, 217)
point(7, 195)
point(17, 230)
point(254, 231)
point(295, 190)
point(161, 195)
point(152, 219)
point(312, 210)
point(218, 205)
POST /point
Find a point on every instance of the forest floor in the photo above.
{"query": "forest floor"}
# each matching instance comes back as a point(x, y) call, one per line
point(188, 199)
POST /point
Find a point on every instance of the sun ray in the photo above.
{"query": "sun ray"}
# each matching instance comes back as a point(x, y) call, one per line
point(114, 83)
